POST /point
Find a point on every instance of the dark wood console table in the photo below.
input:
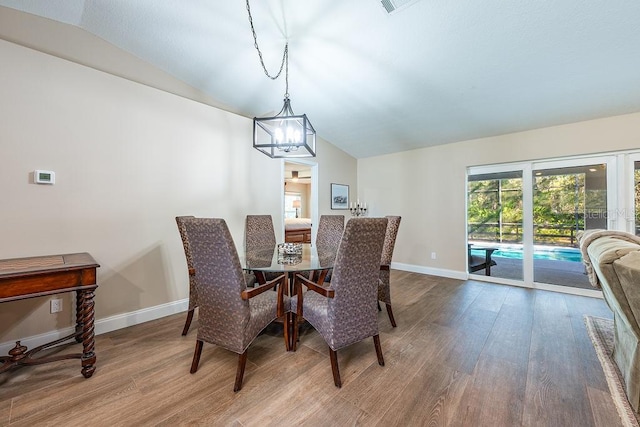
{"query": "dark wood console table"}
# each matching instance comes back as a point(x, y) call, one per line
point(22, 278)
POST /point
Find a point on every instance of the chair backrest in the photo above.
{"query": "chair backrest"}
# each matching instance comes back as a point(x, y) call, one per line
point(193, 294)
point(258, 232)
point(390, 239)
point(223, 313)
point(354, 310)
point(180, 220)
point(330, 229)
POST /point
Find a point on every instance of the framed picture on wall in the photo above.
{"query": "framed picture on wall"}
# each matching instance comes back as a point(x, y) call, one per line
point(339, 196)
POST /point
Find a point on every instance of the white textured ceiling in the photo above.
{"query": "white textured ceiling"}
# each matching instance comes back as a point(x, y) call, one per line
point(434, 72)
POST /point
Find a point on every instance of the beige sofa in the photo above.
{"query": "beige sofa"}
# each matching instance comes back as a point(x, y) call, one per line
point(612, 260)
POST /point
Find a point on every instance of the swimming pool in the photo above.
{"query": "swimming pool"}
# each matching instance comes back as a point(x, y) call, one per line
point(557, 254)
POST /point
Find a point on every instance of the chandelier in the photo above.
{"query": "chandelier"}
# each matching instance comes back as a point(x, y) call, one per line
point(285, 135)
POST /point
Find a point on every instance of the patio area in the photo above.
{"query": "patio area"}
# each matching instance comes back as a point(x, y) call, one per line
point(564, 273)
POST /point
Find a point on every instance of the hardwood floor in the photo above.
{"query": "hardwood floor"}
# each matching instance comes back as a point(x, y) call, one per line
point(464, 353)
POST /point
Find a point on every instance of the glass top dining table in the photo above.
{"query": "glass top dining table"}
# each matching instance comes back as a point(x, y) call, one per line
point(271, 260)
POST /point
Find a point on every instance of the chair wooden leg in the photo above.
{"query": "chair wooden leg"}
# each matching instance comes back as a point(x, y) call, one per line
point(187, 324)
point(294, 332)
point(390, 313)
point(196, 357)
point(333, 355)
point(286, 327)
point(376, 342)
point(242, 361)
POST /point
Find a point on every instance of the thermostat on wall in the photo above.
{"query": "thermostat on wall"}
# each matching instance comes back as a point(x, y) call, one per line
point(44, 177)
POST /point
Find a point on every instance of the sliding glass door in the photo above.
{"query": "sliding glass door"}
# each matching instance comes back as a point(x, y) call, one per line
point(527, 217)
point(494, 224)
point(566, 200)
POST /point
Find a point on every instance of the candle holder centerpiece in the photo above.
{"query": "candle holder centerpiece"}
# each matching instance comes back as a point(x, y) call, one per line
point(358, 209)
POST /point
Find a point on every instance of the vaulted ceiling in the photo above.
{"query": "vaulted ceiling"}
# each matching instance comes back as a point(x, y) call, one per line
point(372, 82)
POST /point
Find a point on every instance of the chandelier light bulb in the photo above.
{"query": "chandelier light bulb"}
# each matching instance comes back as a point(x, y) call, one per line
point(279, 135)
point(293, 135)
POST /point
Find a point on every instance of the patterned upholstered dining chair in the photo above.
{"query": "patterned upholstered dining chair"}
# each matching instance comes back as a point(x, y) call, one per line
point(384, 286)
point(259, 234)
point(230, 314)
point(330, 229)
point(346, 312)
point(193, 293)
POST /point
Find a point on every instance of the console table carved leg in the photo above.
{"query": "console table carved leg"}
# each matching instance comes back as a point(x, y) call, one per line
point(79, 316)
point(88, 333)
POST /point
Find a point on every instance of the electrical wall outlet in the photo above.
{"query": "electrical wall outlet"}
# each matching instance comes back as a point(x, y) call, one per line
point(56, 305)
point(433, 255)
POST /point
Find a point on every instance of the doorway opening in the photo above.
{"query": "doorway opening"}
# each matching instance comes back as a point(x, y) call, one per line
point(299, 201)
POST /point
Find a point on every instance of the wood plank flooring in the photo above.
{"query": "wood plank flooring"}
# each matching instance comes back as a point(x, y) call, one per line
point(464, 353)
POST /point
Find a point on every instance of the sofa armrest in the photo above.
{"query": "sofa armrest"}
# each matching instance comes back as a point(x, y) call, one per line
point(627, 269)
point(606, 250)
point(603, 252)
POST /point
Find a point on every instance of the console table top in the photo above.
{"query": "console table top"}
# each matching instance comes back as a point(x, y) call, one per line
point(46, 275)
point(40, 264)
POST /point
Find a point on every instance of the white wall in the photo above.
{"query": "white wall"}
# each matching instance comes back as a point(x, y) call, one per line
point(427, 186)
point(128, 159)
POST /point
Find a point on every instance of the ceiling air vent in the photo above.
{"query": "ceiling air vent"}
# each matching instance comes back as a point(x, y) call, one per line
point(393, 5)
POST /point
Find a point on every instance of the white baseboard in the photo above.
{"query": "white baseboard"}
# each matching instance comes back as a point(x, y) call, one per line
point(125, 320)
point(452, 274)
point(462, 275)
point(105, 325)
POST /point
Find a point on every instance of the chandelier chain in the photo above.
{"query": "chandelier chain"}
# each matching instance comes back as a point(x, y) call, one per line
point(285, 56)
